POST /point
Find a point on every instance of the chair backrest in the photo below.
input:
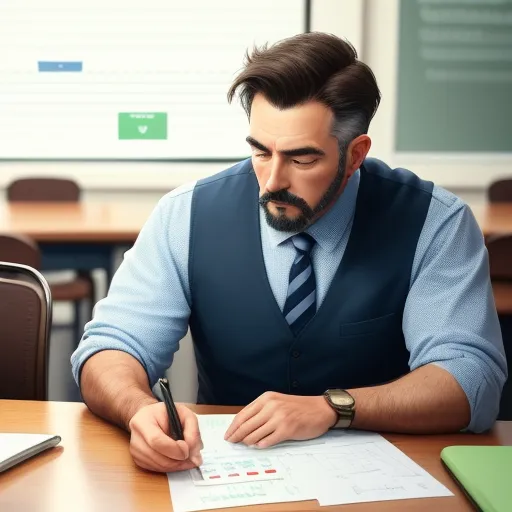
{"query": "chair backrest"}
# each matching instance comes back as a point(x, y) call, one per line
point(25, 320)
point(43, 189)
point(500, 256)
point(21, 249)
point(500, 191)
point(500, 264)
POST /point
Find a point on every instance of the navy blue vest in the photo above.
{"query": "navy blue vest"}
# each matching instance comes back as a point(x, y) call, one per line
point(242, 342)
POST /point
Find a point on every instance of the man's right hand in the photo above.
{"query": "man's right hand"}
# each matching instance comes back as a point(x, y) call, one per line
point(153, 449)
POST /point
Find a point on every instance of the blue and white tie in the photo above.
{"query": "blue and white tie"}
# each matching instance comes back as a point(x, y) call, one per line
point(300, 305)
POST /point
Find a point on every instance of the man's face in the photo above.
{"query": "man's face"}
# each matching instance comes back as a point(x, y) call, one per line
point(296, 160)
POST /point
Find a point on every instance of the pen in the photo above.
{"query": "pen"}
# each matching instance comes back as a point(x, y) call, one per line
point(176, 432)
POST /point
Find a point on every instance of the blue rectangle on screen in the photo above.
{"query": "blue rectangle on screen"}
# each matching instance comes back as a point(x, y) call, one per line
point(45, 66)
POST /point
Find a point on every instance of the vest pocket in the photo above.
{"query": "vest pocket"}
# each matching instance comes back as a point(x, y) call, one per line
point(371, 326)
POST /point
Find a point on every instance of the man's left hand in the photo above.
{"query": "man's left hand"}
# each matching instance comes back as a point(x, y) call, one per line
point(275, 417)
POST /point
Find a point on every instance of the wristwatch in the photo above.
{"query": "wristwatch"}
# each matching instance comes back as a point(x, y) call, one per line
point(344, 405)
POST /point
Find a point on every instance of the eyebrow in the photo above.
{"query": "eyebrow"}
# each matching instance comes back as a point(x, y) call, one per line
point(306, 150)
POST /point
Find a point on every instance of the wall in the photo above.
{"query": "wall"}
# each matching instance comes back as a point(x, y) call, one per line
point(455, 171)
point(371, 26)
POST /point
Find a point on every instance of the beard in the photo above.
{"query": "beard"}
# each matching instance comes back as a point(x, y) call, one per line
point(281, 222)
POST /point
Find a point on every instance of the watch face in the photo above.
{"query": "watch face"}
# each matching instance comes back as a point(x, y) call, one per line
point(341, 398)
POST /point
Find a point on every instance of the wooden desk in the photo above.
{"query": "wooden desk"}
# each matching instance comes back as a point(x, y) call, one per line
point(118, 222)
point(493, 219)
point(87, 235)
point(121, 221)
point(502, 297)
point(92, 470)
point(78, 236)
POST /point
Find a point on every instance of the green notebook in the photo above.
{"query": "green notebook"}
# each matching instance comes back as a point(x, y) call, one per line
point(484, 473)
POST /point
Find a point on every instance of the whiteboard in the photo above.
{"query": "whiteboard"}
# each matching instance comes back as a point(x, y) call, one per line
point(105, 79)
point(456, 58)
point(451, 169)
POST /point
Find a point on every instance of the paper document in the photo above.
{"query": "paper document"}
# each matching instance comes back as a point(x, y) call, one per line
point(340, 467)
point(371, 470)
point(218, 470)
point(188, 497)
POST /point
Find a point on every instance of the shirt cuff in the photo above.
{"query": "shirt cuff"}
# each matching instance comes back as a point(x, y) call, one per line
point(483, 394)
point(88, 348)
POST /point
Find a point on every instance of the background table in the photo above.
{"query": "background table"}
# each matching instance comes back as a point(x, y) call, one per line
point(92, 469)
point(78, 236)
point(86, 235)
point(493, 218)
point(121, 221)
point(91, 235)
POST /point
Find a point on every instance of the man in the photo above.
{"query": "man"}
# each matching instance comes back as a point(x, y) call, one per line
point(307, 268)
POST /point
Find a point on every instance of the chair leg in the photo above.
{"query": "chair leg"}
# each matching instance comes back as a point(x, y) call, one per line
point(92, 298)
point(86, 274)
point(77, 324)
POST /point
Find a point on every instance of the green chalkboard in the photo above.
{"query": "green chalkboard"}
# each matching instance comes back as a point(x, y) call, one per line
point(454, 76)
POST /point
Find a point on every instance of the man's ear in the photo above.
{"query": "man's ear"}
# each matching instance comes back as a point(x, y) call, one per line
point(356, 153)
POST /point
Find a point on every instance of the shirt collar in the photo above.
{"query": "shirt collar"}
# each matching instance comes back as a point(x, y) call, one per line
point(329, 228)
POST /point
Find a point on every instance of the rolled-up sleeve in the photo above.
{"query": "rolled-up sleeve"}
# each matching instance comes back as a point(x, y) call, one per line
point(450, 317)
point(146, 311)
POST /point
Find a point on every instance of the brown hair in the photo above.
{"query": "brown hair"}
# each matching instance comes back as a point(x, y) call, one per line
point(312, 67)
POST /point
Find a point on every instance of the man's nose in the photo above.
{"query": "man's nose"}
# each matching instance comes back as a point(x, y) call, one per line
point(278, 178)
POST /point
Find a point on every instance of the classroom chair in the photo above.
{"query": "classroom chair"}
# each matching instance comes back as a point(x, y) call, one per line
point(58, 190)
point(22, 249)
point(500, 266)
point(500, 191)
point(25, 320)
point(43, 190)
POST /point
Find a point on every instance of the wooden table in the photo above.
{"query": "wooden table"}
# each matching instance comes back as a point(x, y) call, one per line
point(92, 469)
point(121, 221)
point(88, 235)
point(493, 218)
point(81, 222)
point(78, 236)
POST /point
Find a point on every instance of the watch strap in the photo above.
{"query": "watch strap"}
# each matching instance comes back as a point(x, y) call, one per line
point(344, 421)
point(345, 414)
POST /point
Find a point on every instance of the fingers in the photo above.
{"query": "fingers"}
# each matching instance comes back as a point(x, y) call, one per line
point(151, 461)
point(255, 436)
point(157, 440)
point(248, 427)
point(191, 434)
point(244, 415)
point(153, 449)
point(148, 458)
point(150, 446)
point(274, 438)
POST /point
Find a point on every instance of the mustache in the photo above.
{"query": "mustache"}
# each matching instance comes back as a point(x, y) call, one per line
point(285, 197)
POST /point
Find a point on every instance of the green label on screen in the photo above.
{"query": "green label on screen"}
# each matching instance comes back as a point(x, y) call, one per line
point(142, 125)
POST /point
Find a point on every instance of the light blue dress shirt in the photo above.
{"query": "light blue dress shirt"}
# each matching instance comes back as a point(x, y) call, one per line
point(449, 319)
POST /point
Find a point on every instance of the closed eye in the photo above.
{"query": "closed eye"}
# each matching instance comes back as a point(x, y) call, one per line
point(298, 162)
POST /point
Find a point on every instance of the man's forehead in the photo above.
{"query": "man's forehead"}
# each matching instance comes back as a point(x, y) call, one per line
point(309, 122)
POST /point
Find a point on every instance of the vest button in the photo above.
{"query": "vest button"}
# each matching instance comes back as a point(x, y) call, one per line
point(295, 384)
point(296, 354)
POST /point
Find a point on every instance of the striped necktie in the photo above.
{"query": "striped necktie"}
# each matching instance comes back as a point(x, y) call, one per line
point(300, 305)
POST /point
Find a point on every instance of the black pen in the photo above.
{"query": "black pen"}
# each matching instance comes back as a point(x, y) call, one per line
point(175, 430)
